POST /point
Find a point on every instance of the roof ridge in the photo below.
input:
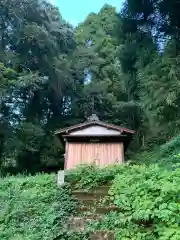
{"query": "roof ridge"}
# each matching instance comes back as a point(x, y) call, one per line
point(98, 122)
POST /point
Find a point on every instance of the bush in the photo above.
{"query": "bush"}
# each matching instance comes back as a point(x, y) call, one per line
point(89, 176)
point(172, 147)
point(149, 202)
point(169, 156)
point(166, 156)
point(34, 208)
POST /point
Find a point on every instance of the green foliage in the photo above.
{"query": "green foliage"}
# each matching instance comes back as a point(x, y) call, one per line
point(165, 155)
point(171, 147)
point(89, 176)
point(169, 154)
point(123, 227)
point(160, 93)
point(97, 49)
point(157, 72)
point(33, 207)
point(147, 197)
point(148, 201)
point(40, 149)
point(52, 76)
point(161, 16)
point(150, 195)
point(35, 81)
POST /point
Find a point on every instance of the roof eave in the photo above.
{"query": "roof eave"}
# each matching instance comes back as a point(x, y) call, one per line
point(82, 125)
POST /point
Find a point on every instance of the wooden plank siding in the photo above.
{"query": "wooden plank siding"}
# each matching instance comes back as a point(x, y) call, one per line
point(100, 153)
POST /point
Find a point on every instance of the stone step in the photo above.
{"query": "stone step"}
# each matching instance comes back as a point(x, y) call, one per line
point(81, 195)
point(104, 210)
point(79, 223)
point(98, 235)
point(101, 189)
point(87, 202)
point(98, 210)
point(83, 209)
point(88, 198)
point(104, 186)
point(102, 235)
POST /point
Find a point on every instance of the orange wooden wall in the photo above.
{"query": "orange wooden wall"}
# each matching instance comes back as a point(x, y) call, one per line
point(101, 153)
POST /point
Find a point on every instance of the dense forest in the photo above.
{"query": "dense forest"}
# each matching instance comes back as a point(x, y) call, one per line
point(123, 66)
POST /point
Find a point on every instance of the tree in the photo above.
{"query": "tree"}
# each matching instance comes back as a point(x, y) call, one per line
point(158, 91)
point(161, 17)
point(35, 45)
point(98, 47)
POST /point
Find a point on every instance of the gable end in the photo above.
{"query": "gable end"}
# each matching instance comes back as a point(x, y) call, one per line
point(95, 130)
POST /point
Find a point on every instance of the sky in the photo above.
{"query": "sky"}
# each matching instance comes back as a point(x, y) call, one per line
point(75, 11)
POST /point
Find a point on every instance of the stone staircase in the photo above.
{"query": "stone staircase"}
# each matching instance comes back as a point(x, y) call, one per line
point(90, 209)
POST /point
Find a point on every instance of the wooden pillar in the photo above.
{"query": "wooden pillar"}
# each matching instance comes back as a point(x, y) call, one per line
point(66, 155)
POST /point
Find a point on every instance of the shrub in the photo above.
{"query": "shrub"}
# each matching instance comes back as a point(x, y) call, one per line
point(34, 208)
point(89, 176)
point(149, 202)
point(171, 147)
point(166, 156)
point(169, 156)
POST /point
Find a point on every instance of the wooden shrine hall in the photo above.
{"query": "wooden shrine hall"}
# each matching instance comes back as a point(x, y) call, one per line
point(94, 142)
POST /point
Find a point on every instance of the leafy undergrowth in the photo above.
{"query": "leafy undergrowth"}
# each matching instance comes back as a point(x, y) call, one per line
point(33, 208)
point(166, 155)
point(148, 199)
point(90, 176)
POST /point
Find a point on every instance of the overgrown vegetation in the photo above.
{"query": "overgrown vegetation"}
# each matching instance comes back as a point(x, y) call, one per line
point(166, 155)
point(33, 207)
point(125, 67)
point(147, 195)
point(148, 199)
point(90, 176)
